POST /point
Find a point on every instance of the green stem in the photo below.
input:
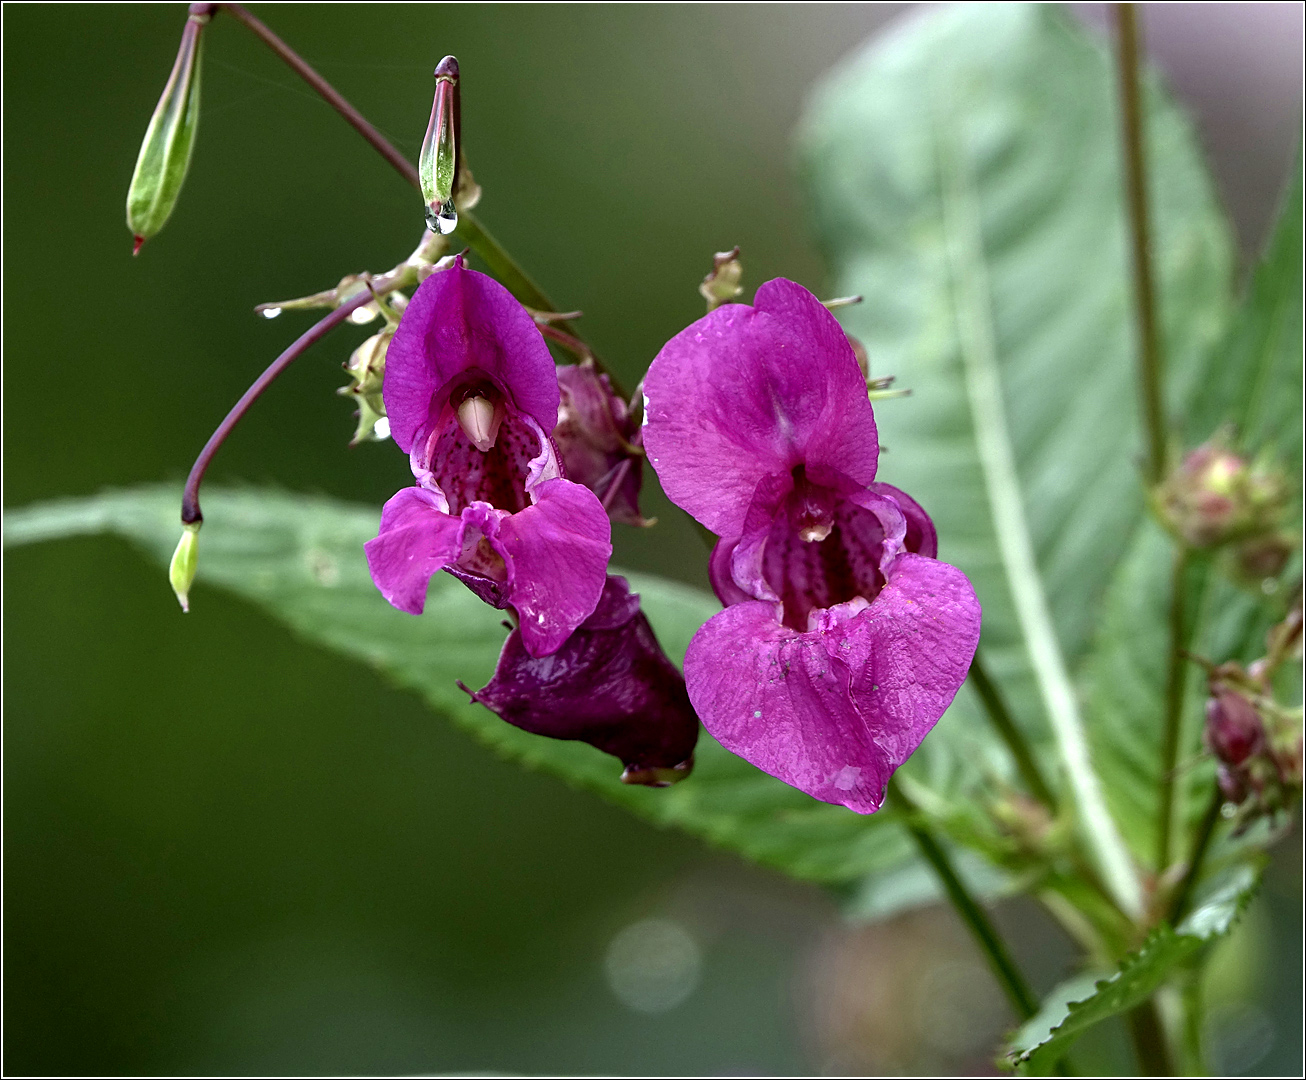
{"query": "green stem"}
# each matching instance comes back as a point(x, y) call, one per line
point(1177, 669)
point(1001, 719)
point(1147, 1034)
point(985, 933)
point(1149, 345)
point(1194, 1008)
point(1201, 842)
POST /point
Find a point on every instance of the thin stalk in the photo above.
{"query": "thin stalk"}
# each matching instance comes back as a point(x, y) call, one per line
point(1201, 842)
point(1149, 344)
point(333, 97)
point(190, 500)
point(469, 230)
point(985, 933)
point(1001, 719)
point(1176, 671)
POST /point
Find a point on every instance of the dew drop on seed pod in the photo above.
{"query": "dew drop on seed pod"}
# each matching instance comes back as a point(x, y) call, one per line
point(443, 222)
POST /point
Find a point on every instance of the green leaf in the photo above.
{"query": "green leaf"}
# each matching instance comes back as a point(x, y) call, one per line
point(965, 179)
point(1253, 381)
point(1075, 1006)
point(301, 559)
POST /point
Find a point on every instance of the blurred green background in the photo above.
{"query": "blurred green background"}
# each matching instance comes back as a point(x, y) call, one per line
point(227, 852)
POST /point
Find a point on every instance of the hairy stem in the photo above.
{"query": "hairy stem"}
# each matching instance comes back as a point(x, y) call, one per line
point(985, 933)
point(1000, 716)
point(190, 500)
point(1149, 345)
point(1176, 670)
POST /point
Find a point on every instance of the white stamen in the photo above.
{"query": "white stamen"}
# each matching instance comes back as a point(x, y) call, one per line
point(476, 416)
point(816, 532)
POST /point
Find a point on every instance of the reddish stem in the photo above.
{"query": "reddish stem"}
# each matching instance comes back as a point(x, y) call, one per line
point(190, 500)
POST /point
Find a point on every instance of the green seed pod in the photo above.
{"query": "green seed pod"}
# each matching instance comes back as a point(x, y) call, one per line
point(437, 165)
point(185, 561)
point(165, 153)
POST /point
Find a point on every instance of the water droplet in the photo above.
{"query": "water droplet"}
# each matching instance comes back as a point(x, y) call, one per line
point(443, 221)
point(270, 312)
point(363, 315)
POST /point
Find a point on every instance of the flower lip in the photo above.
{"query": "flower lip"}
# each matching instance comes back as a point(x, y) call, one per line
point(835, 705)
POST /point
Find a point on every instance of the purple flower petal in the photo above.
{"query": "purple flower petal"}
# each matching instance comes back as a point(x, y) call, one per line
point(417, 538)
point(921, 537)
point(557, 553)
point(752, 392)
point(458, 322)
point(834, 710)
point(609, 685)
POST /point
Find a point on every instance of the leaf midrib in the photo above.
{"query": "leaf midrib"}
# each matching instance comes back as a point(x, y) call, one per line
point(972, 311)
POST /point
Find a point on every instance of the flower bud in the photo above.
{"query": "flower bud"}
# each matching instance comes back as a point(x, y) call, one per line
point(1215, 496)
point(185, 561)
point(437, 165)
point(722, 284)
point(609, 685)
point(599, 438)
point(165, 153)
point(1234, 731)
point(366, 366)
point(1256, 741)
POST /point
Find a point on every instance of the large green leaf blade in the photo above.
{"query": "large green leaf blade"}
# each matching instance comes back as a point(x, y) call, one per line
point(301, 559)
point(1083, 1003)
point(965, 180)
point(1254, 381)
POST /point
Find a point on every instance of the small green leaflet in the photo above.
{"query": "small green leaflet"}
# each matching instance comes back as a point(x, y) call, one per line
point(1077, 1005)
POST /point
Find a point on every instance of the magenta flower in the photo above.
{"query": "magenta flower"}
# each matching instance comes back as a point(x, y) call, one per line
point(599, 438)
point(471, 393)
point(610, 685)
point(843, 639)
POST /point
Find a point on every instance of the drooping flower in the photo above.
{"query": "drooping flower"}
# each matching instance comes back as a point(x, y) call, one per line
point(598, 435)
point(610, 685)
point(843, 639)
point(471, 394)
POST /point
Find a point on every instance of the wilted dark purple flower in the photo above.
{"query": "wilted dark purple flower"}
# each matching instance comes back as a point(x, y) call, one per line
point(599, 437)
point(609, 685)
point(844, 639)
point(471, 393)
